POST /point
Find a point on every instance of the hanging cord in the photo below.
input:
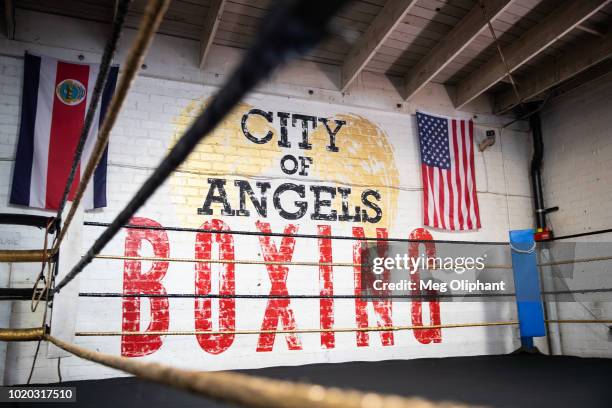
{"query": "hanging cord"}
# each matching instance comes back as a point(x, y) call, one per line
point(528, 114)
point(291, 28)
point(531, 250)
point(151, 20)
point(47, 260)
point(501, 54)
point(94, 99)
point(50, 275)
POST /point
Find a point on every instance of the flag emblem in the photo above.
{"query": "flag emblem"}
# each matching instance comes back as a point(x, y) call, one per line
point(71, 92)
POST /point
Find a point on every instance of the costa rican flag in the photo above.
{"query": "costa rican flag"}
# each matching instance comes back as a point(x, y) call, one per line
point(54, 101)
point(447, 168)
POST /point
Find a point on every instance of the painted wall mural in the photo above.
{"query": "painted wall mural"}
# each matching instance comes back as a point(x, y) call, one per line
point(284, 172)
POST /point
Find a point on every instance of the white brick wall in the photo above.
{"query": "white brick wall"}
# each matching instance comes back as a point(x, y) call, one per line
point(142, 136)
point(577, 130)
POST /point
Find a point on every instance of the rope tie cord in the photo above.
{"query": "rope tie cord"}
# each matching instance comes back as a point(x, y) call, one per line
point(292, 28)
point(105, 64)
point(531, 250)
point(151, 20)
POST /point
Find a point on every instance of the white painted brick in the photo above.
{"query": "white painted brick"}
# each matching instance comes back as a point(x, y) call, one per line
point(576, 177)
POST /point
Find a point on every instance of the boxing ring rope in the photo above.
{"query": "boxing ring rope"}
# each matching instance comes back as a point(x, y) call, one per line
point(339, 264)
point(296, 331)
point(250, 262)
point(282, 234)
point(32, 334)
point(424, 296)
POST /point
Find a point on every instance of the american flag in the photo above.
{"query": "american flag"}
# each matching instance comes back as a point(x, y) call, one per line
point(447, 169)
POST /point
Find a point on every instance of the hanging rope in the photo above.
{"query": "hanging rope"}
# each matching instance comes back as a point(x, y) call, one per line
point(292, 28)
point(94, 99)
point(151, 19)
point(37, 297)
point(38, 294)
point(501, 54)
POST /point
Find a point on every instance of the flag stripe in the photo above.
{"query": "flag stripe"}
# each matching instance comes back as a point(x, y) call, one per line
point(470, 170)
point(452, 181)
point(66, 125)
point(464, 167)
point(46, 93)
point(474, 195)
point(22, 175)
point(426, 220)
point(88, 197)
point(432, 189)
point(457, 174)
point(441, 200)
point(451, 201)
point(101, 171)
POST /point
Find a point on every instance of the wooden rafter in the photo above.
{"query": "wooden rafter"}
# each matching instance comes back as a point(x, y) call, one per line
point(565, 18)
point(567, 66)
point(211, 23)
point(450, 46)
point(368, 44)
point(9, 17)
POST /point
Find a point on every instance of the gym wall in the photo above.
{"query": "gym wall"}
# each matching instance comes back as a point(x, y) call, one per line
point(578, 143)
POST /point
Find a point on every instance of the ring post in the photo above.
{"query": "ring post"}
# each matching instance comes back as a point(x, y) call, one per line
point(65, 303)
point(527, 288)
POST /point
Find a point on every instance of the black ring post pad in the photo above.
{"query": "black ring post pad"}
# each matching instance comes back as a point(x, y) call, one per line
point(39, 221)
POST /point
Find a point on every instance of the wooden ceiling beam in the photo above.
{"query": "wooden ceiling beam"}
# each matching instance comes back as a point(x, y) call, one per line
point(211, 23)
point(452, 44)
point(9, 18)
point(562, 20)
point(367, 45)
point(565, 67)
